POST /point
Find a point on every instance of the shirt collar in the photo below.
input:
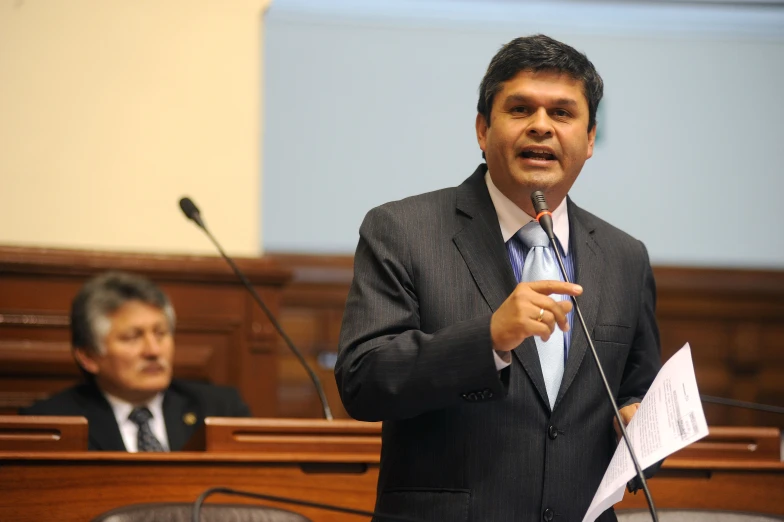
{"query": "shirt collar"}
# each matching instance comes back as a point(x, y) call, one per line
point(123, 408)
point(512, 218)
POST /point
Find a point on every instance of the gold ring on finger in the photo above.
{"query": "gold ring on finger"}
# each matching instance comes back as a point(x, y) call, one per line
point(541, 315)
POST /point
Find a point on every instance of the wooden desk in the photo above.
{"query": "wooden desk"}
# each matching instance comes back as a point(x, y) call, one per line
point(307, 438)
point(732, 469)
point(733, 485)
point(77, 486)
point(329, 462)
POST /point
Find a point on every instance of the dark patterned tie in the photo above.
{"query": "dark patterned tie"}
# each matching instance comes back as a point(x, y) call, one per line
point(145, 440)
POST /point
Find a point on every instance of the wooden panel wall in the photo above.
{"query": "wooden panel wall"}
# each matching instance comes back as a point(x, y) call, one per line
point(221, 336)
point(311, 312)
point(733, 320)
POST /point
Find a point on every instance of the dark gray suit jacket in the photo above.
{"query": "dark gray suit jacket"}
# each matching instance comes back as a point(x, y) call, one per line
point(195, 399)
point(461, 441)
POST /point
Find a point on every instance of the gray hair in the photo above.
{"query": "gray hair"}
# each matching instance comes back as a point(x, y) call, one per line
point(103, 295)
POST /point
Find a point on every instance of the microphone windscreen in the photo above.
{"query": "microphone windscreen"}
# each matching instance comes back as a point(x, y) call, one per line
point(189, 208)
point(543, 214)
point(191, 211)
point(540, 204)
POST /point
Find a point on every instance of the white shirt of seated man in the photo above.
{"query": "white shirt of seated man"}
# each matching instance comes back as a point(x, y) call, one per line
point(129, 430)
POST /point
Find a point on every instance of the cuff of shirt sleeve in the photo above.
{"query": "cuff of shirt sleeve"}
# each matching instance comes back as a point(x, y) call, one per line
point(502, 359)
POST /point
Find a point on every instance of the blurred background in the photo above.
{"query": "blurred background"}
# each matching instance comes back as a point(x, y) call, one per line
point(373, 101)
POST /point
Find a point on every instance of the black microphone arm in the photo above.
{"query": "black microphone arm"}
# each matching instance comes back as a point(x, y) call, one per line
point(545, 219)
point(742, 404)
point(305, 503)
point(192, 212)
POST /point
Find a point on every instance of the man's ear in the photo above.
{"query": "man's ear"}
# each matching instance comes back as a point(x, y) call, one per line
point(591, 140)
point(86, 359)
point(481, 130)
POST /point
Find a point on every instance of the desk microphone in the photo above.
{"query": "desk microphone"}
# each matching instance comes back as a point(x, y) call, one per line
point(192, 212)
point(545, 219)
point(380, 517)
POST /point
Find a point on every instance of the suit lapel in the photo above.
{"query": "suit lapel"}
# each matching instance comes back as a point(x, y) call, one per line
point(480, 241)
point(482, 246)
point(181, 416)
point(528, 356)
point(589, 273)
point(104, 433)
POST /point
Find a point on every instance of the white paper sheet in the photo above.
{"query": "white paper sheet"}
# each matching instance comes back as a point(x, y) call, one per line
point(670, 418)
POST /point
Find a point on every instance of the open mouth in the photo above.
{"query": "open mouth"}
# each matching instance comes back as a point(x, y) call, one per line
point(538, 154)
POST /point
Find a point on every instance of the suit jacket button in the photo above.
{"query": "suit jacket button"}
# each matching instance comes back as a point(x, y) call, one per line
point(487, 394)
point(472, 397)
point(548, 515)
point(552, 432)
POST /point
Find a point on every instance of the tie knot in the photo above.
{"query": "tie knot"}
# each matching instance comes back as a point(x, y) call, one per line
point(140, 415)
point(533, 235)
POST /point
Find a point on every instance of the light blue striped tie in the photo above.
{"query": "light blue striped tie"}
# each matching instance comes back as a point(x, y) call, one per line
point(540, 264)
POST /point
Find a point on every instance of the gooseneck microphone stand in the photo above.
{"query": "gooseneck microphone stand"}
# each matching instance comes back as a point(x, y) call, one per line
point(544, 217)
point(192, 212)
point(381, 517)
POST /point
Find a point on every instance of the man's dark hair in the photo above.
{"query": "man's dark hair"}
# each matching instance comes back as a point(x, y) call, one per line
point(105, 294)
point(539, 53)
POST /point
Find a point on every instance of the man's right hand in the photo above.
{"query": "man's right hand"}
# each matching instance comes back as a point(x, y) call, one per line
point(518, 317)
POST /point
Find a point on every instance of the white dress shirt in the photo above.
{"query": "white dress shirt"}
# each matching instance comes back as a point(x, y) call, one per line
point(512, 218)
point(129, 430)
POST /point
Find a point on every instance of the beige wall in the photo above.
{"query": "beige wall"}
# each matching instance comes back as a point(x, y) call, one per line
point(111, 110)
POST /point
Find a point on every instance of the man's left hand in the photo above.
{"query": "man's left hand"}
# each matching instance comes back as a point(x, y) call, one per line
point(627, 412)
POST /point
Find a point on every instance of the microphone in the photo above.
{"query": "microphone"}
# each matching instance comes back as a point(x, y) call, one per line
point(191, 211)
point(306, 503)
point(545, 219)
point(543, 216)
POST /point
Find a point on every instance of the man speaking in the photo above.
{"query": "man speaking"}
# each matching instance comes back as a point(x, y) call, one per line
point(458, 327)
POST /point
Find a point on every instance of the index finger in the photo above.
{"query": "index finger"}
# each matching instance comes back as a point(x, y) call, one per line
point(548, 287)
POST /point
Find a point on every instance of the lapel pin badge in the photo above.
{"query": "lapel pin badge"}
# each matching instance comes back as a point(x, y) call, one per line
point(189, 418)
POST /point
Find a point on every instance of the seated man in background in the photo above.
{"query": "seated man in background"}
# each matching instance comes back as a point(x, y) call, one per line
point(122, 328)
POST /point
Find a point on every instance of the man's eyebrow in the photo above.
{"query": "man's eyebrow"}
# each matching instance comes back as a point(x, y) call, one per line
point(566, 101)
point(520, 98)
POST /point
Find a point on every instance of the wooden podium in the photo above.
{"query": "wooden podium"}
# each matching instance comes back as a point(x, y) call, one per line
point(333, 462)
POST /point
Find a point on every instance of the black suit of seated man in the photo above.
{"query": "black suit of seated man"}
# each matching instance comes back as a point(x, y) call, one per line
point(122, 328)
